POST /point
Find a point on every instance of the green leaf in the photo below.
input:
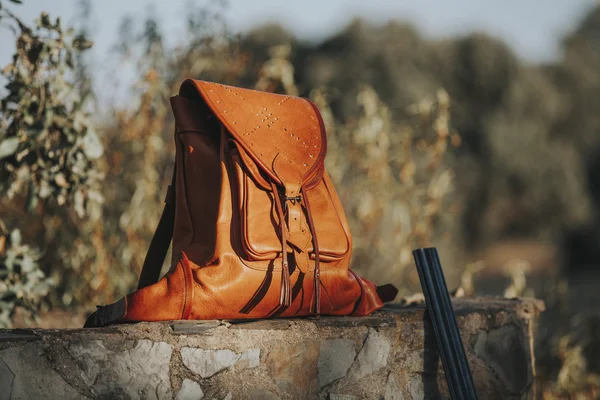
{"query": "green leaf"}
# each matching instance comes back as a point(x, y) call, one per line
point(82, 43)
point(92, 146)
point(15, 238)
point(45, 20)
point(16, 1)
point(8, 147)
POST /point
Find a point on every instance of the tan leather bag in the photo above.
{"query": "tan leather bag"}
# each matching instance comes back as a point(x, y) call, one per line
point(257, 228)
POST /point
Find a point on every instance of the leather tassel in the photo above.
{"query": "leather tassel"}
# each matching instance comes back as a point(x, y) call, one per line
point(317, 276)
point(285, 296)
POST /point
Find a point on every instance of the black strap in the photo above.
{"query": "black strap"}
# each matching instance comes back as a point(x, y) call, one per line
point(105, 315)
point(387, 292)
point(159, 246)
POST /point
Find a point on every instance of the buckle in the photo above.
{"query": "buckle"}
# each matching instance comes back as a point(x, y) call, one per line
point(293, 199)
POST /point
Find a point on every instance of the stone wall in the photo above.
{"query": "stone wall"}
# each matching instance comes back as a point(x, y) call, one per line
point(390, 355)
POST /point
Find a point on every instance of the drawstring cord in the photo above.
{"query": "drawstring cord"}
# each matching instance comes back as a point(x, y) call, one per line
point(285, 297)
point(317, 277)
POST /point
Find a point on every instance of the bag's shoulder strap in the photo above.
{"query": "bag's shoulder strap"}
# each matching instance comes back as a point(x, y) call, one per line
point(159, 246)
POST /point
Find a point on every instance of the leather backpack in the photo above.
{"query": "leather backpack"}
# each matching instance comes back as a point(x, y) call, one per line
point(257, 228)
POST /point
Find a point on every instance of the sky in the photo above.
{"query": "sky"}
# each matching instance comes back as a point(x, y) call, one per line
point(533, 28)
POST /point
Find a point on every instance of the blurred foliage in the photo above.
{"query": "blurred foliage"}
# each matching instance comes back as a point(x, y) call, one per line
point(48, 145)
point(454, 143)
point(48, 153)
point(22, 283)
point(393, 179)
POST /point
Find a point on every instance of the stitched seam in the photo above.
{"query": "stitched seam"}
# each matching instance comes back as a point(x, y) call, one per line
point(323, 265)
point(185, 192)
point(362, 292)
point(185, 290)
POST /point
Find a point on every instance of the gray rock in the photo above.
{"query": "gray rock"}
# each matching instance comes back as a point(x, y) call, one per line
point(292, 366)
point(18, 334)
point(505, 351)
point(263, 325)
point(6, 381)
point(248, 359)
point(335, 358)
point(194, 327)
point(130, 369)
point(190, 390)
point(261, 394)
point(415, 388)
point(207, 363)
point(334, 396)
point(373, 355)
point(392, 389)
point(27, 374)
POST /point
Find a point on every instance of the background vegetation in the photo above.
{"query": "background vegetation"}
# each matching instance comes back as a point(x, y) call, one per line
point(454, 143)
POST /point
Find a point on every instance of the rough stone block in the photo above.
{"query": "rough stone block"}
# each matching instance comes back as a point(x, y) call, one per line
point(335, 359)
point(373, 356)
point(207, 363)
point(390, 355)
point(190, 390)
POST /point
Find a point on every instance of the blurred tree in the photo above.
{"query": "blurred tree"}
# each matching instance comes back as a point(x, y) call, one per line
point(48, 153)
point(48, 146)
point(83, 79)
point(578, 77)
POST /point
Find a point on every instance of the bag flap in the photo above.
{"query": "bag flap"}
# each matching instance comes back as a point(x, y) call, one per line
point(284, 135)
point(260, 238)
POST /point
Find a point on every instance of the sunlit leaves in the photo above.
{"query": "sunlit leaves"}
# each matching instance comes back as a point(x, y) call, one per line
point(45, 128)
point(81, 43)
point(48, 151)
point(22, 283)
point(8, 147)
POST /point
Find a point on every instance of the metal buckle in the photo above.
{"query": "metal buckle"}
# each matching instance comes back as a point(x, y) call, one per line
point(293, 199)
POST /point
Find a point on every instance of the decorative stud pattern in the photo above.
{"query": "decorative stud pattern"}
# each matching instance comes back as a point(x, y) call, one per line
point(268, 119)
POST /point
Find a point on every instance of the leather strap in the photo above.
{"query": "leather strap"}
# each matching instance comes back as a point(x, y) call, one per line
point(108, 314)
point(159, 246)
point(317, 277)
point(285, 297)
point(387, 292)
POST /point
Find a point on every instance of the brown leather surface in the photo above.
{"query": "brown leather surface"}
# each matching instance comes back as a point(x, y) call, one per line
point(274, 129)
point(252, 197)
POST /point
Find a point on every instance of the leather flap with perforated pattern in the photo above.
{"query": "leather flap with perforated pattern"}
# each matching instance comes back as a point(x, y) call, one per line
point(284, 135)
